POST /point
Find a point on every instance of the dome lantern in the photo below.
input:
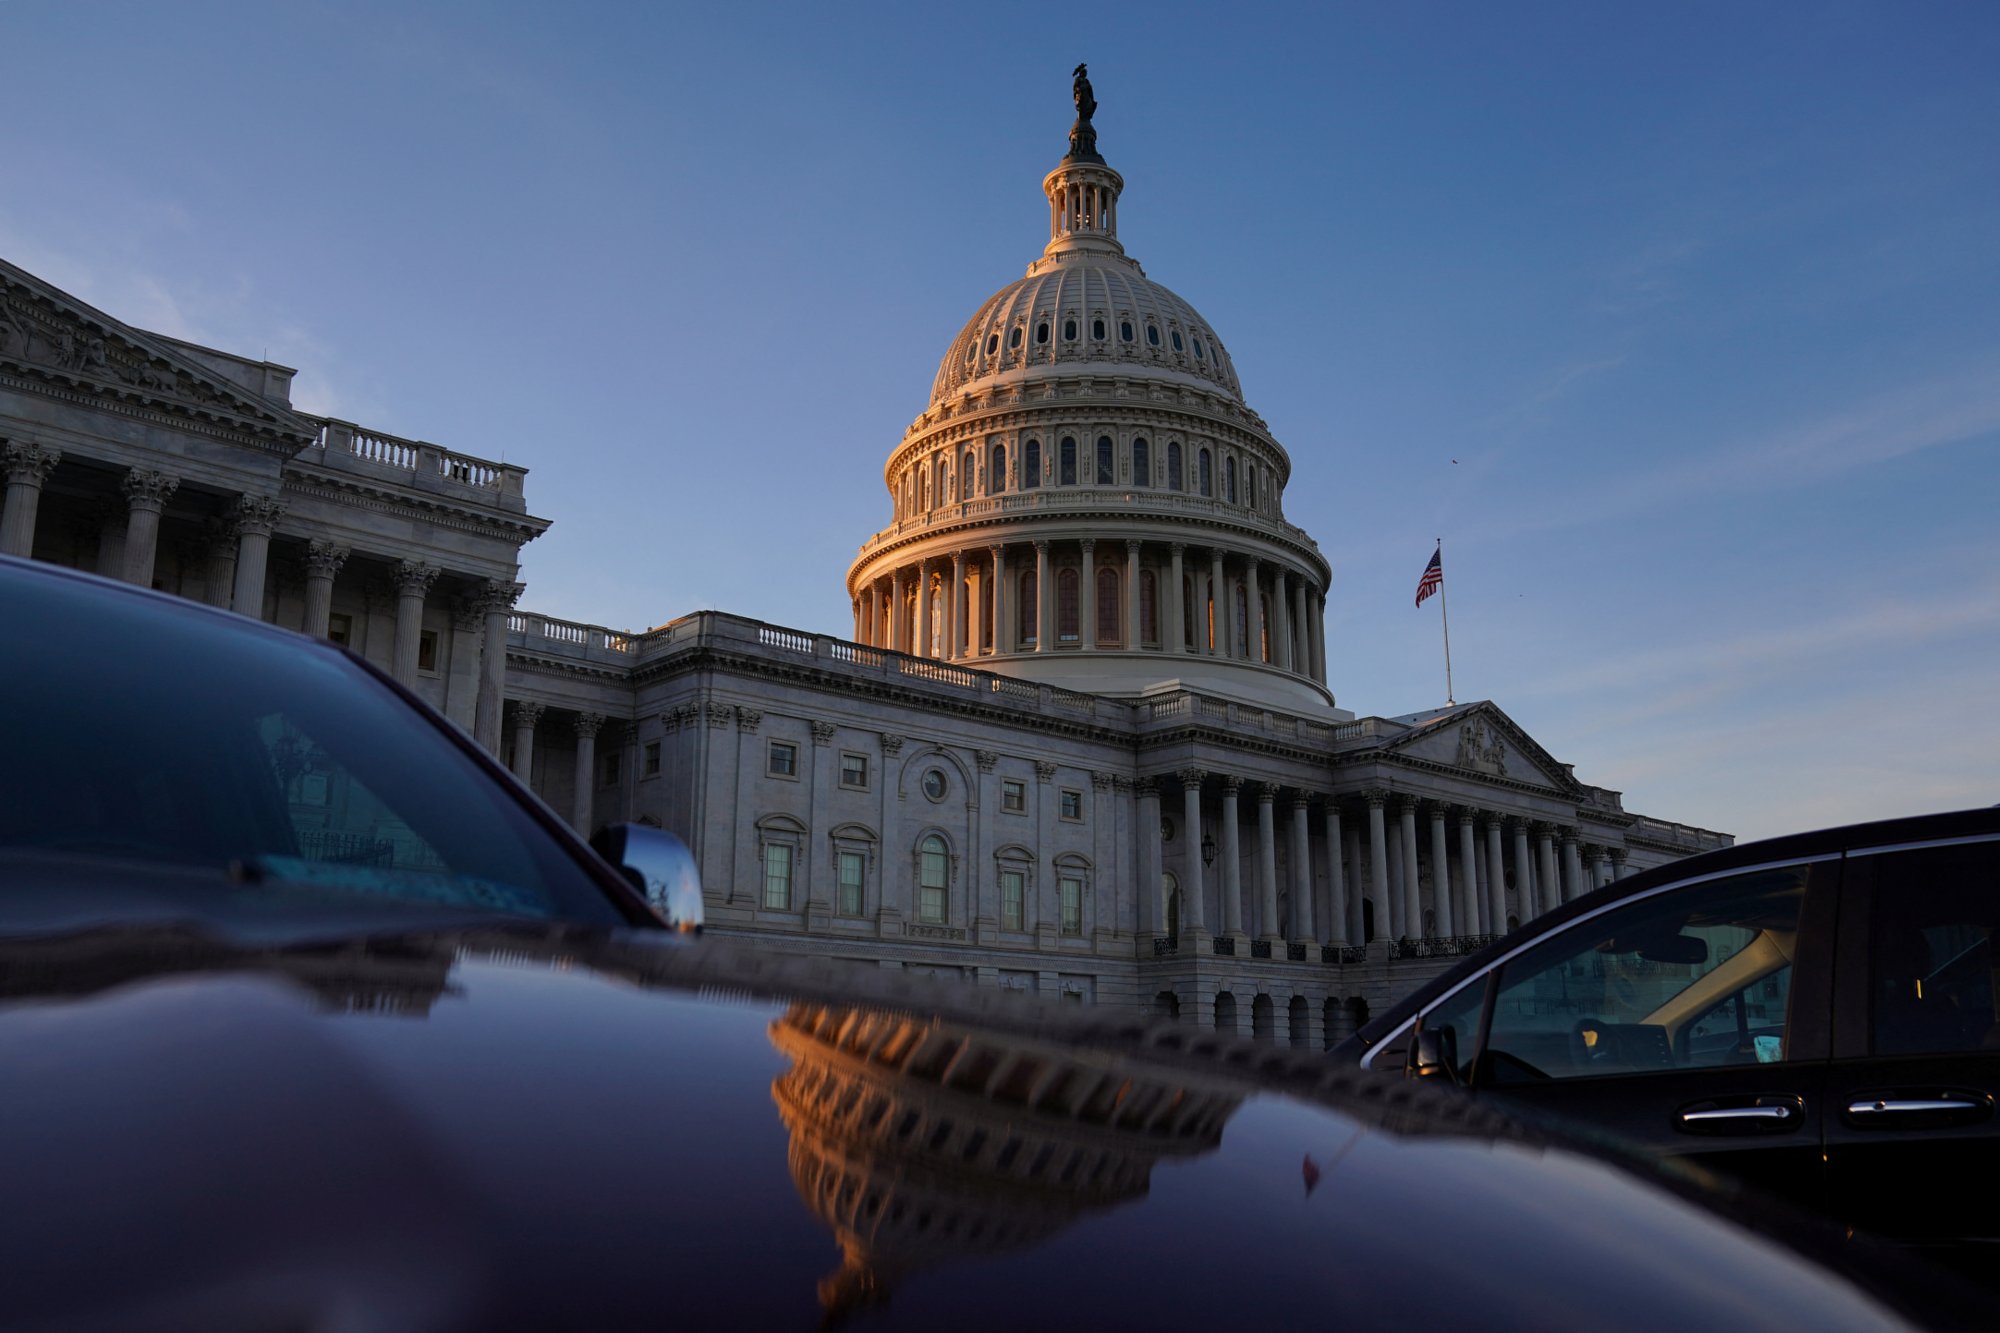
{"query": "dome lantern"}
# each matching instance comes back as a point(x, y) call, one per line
point(1083, 190)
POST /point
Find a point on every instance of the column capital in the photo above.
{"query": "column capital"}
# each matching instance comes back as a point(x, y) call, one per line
point(999, 550)
point(589, 724)
point(1617, 855)
point(1041, 545)
point(1267, 793)
point(148, 490)
point(528, 713)
point(1231, 784)
point(413, 577)
point(1376, 797)
point(1251, 564)
point(1541, 828)
point(27, 462)
point(1089, 544)
point(1191, 777)
point(1145, 787)
point(1132, 546)
point(256, 516)
point(498, 595)
point(1100, 781)
point(823, 733)
point(1177, 549)
point(1569, 836)
point(1045, 770)
point(891, 742)
point(1466, 815)
point(749, 719)
point(987, 759)
point(1301, 800)
point(1407, 805)
point(1593, 851)
point(324, 559)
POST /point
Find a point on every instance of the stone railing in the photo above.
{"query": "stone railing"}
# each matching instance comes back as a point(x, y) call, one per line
point(1067, 499)
point(1164, 947)
point(567, 638)
point(425, 462)
point(1679, 836)
point(1439, 946)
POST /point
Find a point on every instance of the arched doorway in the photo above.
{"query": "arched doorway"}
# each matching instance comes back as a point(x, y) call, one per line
point(1167, 1005)
point(1262, 1026)
point(1225, 1013)
point(1301, 1022)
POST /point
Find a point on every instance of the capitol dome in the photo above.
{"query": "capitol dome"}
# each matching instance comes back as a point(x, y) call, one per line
point(1086, 436)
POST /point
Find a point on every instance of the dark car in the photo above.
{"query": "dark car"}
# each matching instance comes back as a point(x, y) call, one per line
point(311, 1018)
point(1814, 1014)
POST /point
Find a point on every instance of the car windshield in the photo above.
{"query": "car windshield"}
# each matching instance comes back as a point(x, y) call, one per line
point(160, 759)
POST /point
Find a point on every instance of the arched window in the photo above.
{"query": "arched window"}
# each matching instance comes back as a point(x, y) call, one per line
point(1014, 338)
point(1173, 465)
point(1107, 605)
point(1125, 330)
point(1264, 647)
point(1106, 474)
point(1153, 335)
point(1069, 330)
point(1097, 329)
point(1250, 484)
point(939, 629)
point(1242, 607)
point(1149, 607)
point(933, 880)
point(927, 489)
point(1031, 463)
point(1229, 479)
point(1177, 341)
point(965, 470)
point(1042, 334)
point(1189, 614)
point(1066, 462)
point(1225, 1012)
point(1207, 475)
point(1066, 606)
point(1029, 620)
point(992, 343)
point(1198, 355)
point(996, 475)
point(1142, 462)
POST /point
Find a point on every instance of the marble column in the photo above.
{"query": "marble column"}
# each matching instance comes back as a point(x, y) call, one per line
point(146, 495)
point(256, 520)
point(1617, 864)
point(1232, 861)
point(1526, 901)
point(1086, 598)
point(1045, 602)
point(1317, 606)
point(526, 715)
point(1002, 639)
point(1134, 624)
point(1173, 633)
point(1378, 864)
point(323, 562)
point(1573, 886)
point(1267, 861)
point(1302, 872)
point(1152, 882)
point(1218, 624)
point(1253, 609)
point(960, 630)
point(1447, 917)
point(494, 604)
point(413, 579)
point(1302, 658)
point(1281, 618)
point(1336, 877)
point(1413, 899)
point(923, 644)
point(1550, 896)
point(582, 807)
point(1496, 877)
point(1191, 892)
point(27, 467)
point(1475, 922)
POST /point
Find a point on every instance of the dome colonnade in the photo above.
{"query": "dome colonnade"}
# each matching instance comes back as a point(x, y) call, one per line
point(1087, 492)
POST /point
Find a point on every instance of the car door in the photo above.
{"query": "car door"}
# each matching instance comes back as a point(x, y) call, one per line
point(1690, 1021)
point(1913, 1142)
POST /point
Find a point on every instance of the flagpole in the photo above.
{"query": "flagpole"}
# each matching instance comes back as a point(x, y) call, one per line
point(1444, 610)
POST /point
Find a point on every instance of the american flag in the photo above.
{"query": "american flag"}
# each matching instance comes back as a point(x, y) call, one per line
point(1433, 576)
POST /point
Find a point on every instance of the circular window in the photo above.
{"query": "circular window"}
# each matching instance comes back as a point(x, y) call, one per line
point(1166, 828)
point(934, 784)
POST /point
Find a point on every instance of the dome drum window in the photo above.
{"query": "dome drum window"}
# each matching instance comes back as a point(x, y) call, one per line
point(1014, 338)
point(1106, 472)
point(1042, 334)
point(1069, 330)
point(1097, 329)
point(1177, 341)
point(1153, 335)
point(1142, 463)
point(1066, 462)
point(992, 343)
point(1125, 330)
point(1031, 464)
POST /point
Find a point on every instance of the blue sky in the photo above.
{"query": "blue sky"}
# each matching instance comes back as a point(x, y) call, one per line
point(1680, 324)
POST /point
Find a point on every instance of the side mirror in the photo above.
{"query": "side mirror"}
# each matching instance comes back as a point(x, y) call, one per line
point(1433, 1053)
point(660, 867)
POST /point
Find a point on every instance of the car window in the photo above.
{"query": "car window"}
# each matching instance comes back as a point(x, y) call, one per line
point(1931, 950)
point(1692, 978)
point(1460, 1013)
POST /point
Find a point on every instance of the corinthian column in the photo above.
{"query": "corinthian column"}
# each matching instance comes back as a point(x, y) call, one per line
point(1134, 625)
point(1336, 876)
point(1217, 633)
point(1441, 875)
point(27, 467)
point(956, 631)
point(1413, 902)
point(1267, 860)
point(1378, 862)
point(495, 601)
point(1173, 633)
point(1232, 860)
point(1192, 921)
point(526, 715)
point(146, 494)
point(1302, 661)
point(413, 580)
point(1281, 622)
point(1045, 605)
point(256, 520)
point(1003, 636)
point(323, 562)
point(582, 806)
point(1086, 630)
point(1302, 870)
point(1253, 609)
point(1475, 922)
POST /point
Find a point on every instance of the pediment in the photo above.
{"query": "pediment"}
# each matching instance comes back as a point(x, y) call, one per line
point(1483, 741)
point(47, 334)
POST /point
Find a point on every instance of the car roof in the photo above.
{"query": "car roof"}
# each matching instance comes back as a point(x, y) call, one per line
point(1792, 846)
point(17, 571)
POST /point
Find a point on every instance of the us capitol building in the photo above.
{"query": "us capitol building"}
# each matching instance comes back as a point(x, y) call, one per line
point(1079, 740)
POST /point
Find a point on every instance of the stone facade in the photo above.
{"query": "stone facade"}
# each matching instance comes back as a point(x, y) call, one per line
point(1081, 741)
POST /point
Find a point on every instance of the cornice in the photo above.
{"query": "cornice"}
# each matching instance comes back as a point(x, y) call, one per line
point(360, 493)
point(1393, 759)
point(263, 438)
point(1151, 413)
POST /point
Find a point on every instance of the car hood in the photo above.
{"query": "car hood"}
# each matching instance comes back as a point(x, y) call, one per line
point(497, 1129)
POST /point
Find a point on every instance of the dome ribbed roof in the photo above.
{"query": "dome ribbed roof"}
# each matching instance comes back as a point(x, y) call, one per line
point(1081, 289)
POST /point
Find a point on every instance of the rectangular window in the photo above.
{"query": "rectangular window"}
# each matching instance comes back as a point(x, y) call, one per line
point(1070, 805)
point(1142, 463)
point(784, 760)
point(652, 759)
point(1105, 475)
point(1932, 947)
point(778, 876)
point(1072, 906)
point(853, 866)
point(854, 771)
point(610, 769)
point(340, 628)
point(1013, 796)
point(1013, 894)
point(1067, 462)
point(427, 652)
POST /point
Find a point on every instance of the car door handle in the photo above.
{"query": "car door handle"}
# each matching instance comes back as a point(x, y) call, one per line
point(1916, 1108)
point(1767, 1114)
point(1904, 1105)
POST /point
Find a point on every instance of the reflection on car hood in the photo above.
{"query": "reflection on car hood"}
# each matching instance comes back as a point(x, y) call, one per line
point(499, 1129)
